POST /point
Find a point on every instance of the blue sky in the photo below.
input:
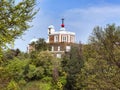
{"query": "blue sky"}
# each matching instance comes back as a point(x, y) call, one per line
point(81, 16)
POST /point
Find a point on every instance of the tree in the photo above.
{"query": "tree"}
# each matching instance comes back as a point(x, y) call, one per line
point(101, 70)
point(45, 60)
point(41, 45)
point(10, 54)
point(72, 63)
point(107, 43)
point(14, 20)
point(98, 75)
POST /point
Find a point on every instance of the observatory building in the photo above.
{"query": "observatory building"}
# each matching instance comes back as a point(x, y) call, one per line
point(60, 41)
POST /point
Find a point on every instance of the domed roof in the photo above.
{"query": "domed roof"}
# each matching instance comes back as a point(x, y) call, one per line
point(62, 29)
point(51, 26)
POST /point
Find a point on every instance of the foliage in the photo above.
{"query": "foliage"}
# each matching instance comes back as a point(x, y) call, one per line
point(107, 43)
point(31, 71)
point(72, 64)
point(10, 54)
point(94, 66)
point(98, 63)
point(101, 70)
point(18, 16)
point(34, 73)
point(98, 75)
point(41, 45)
point(46, 61)
point(15, 69)
point(44, 86)
point(13, 86)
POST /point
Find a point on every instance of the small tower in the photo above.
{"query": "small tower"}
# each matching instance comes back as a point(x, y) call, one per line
point(51, 29)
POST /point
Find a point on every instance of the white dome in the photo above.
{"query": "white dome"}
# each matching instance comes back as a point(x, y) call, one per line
point(62, 29)
point(51, 26)
point(33, 40)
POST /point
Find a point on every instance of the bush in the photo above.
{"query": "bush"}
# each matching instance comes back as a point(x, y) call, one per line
point(44, 86)
point(13, 86)
point(15, 69)
point(31, 71)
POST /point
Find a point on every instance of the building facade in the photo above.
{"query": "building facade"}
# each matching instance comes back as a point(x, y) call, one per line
point(60, 41)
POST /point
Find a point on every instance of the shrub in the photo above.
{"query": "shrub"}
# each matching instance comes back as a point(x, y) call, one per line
point(13, 86)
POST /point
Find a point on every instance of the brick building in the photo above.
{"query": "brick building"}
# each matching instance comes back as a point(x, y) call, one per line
point(60, 41)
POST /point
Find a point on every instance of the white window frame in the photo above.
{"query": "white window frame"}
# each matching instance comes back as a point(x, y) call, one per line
point(56, 38)
point(68, 48)
point(52, 48)
point(58, 48)
point(64, 38)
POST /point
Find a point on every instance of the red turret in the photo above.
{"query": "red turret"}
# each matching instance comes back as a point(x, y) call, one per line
point(62, 25)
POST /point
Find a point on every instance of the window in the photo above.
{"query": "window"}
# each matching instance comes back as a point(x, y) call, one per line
point(58, 55)
point(72, 39)
point(64, 39)
point(55, 38)
point(52, 49)
point(58, 48)
point(49, 31)
point(68, 48)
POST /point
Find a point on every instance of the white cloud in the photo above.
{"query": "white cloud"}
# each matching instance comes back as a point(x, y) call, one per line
point(84, 20)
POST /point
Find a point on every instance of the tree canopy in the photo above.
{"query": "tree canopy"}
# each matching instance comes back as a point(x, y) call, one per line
point(106, 42)
point(14, 20)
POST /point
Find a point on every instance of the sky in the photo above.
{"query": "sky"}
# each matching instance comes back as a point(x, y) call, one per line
point(81, 16)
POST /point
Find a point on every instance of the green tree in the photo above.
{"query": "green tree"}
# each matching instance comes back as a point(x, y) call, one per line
point(13, 86)
point(14, 20)
point(101, 69)
point(72, 63)
point(106, 42)
point(10, 54)
point(15, 69)
point(41, 45)
point(45, 60)
point(98, 75)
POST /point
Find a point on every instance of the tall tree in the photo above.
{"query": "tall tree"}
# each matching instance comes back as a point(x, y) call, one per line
point(72, 63)
point(106, 42)
point(14, 20)
point(101, 70)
